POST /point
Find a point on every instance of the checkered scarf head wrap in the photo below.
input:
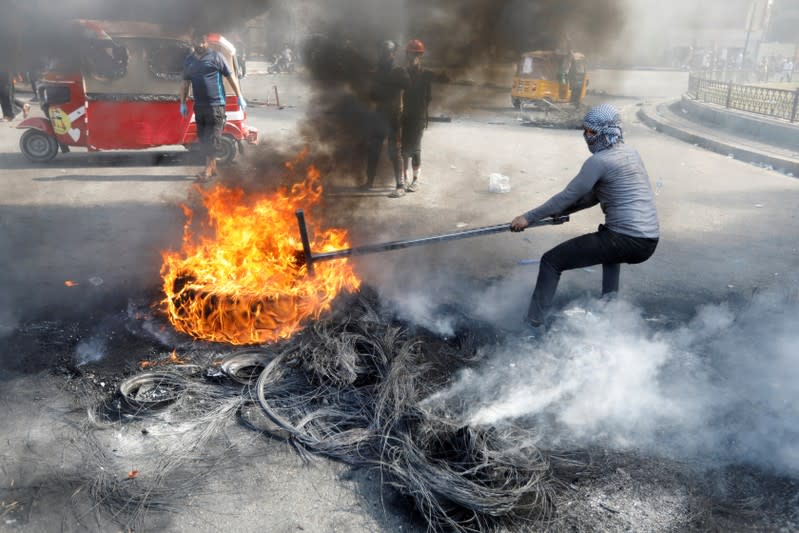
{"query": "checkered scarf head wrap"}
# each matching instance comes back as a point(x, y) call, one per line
point(606, 122)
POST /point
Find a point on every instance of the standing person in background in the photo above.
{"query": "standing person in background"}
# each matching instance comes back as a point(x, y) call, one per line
point(287, 56)
point(787, 71)
point(387, 86)
point(9, 103)
point(33, 79)
point(415, 102)
point(9, 46)
point(614, 177)
point(203, 71)
point(6, 94)
point(241, 55)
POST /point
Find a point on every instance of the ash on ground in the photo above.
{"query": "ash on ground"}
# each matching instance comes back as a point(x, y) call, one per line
point(164, 415)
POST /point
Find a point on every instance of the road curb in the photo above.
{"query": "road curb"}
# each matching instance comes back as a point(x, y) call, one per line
point(648, 114)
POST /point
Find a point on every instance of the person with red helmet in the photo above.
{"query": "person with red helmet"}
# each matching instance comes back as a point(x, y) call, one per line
point(415, 102)
point(414, 46)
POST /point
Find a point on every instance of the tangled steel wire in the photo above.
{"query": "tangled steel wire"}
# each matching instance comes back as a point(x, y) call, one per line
point(181, 445)
point(350, 389)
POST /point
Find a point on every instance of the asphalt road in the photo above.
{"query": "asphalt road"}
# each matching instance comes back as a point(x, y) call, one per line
point(728, 230)
point(109, 215)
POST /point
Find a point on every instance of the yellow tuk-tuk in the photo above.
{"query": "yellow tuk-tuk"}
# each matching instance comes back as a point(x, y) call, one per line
point(548, 77)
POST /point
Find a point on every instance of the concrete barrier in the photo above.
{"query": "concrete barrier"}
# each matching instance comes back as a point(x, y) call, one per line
point(650, 116)
point(760, 129)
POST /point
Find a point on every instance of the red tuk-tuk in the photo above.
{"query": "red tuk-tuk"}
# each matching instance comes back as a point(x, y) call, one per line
point(124, 95)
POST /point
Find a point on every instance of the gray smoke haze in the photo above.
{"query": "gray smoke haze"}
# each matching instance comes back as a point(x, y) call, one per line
point(468, 32)
point(182, 13)
point(719, 389)
point(460, 33)
point(26, 35)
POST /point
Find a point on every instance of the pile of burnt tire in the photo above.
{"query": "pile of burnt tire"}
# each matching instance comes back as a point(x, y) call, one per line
point(350, 388)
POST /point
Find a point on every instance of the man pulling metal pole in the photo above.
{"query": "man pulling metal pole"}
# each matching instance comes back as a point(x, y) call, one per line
point(614, 177)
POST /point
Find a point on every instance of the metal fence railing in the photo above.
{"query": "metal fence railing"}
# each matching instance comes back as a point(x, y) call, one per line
point(779, 103)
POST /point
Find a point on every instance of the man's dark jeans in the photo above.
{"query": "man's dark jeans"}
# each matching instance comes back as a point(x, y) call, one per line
point(385, 125)
point(605, 247)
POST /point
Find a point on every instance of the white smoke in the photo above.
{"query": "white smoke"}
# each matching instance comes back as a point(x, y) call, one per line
point(721, 388)
point(418, 308)
point(91, 350)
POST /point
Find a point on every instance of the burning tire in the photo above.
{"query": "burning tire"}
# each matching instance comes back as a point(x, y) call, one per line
point(203, 314)
point(37, 146)
point(228, 148)
point(245, 282)
point(152, 390)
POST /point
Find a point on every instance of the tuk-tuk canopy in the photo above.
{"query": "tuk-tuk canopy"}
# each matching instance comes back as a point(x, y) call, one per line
point(550, 65)
point(127, 28)
point(137, 58)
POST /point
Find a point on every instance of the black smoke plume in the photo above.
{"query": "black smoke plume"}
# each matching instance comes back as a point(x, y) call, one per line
point(461, 36)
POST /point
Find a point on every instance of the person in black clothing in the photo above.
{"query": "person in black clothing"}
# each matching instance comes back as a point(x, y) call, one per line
point(10, 46)
point(7, 95)
point(388, 84)
point(415, 102)
point(203, 71)
point(9, 103)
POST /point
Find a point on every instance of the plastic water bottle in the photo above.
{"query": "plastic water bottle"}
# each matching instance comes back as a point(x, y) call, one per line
point(498, 183)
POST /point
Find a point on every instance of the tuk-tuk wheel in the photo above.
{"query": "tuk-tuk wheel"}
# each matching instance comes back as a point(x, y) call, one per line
point(516, 103)
point(37, 146)
point(228, 148)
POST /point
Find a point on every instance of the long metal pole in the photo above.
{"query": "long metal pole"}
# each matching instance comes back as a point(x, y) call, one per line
point(311, 258)
point(306, 243)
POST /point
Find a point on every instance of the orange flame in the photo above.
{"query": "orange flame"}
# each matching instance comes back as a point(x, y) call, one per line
point(246, 284)
point(70, 283)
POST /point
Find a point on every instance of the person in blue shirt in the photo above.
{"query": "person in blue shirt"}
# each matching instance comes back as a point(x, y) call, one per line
point(203, 71)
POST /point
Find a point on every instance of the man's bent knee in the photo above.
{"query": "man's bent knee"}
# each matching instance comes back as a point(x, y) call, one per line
point(550, 260)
